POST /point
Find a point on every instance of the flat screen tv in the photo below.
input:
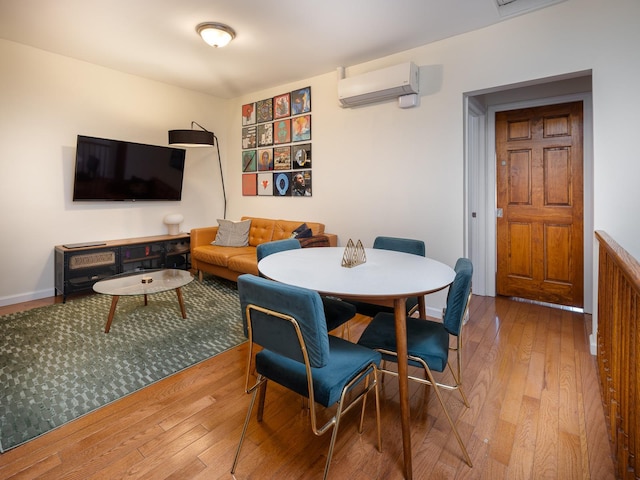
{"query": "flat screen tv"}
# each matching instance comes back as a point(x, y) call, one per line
point(126, 171)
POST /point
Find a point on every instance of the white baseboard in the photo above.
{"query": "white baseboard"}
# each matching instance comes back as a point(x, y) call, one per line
point(26, 297)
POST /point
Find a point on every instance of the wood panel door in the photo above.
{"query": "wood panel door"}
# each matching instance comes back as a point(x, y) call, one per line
point(540, 204)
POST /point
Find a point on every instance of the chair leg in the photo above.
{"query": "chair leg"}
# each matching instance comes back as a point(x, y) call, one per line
point(262, 389)
point(377, 395)
point(377, 402)
point(334, 435)
point(244, 430)
point(364, 405)
point(456, 378)
point(436, 389)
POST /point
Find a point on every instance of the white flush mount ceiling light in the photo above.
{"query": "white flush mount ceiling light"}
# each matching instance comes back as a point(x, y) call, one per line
point(215, 34)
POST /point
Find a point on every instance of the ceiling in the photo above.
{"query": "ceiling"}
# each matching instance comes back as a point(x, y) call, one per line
point(156, 39)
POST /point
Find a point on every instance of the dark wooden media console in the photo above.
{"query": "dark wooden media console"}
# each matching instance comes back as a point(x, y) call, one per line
point(79, 265)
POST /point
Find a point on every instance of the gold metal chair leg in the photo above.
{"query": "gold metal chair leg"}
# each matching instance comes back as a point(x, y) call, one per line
point(334, 435)
point(364, 405)
point(262, 392)
point(244, 430)
point(436, 389)
point(377, 394)
point(458, 386)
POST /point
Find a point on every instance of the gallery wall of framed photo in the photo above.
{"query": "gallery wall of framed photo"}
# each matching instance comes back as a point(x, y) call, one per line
point(276, 146)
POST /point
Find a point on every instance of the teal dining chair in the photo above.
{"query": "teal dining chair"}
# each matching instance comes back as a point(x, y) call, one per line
point(405, 245)
point(428, 342)
point(288, 323)
point(336, 311)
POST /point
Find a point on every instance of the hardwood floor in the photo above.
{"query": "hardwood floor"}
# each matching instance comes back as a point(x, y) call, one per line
point(535, 413)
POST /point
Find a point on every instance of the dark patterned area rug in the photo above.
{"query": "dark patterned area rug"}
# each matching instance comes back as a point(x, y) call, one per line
point(56, 362)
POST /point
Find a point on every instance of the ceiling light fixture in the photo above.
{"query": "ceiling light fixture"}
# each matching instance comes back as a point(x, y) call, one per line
point(215, 34)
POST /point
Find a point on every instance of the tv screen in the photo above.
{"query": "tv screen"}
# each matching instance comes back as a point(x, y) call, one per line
point(117, 170)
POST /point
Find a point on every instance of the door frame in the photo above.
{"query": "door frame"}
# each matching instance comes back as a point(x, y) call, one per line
point(480, 189)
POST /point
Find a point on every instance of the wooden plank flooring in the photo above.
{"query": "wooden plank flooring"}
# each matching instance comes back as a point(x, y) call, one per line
point(535, 413)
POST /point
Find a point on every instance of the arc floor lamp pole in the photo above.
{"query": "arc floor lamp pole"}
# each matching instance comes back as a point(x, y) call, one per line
point(199, 138)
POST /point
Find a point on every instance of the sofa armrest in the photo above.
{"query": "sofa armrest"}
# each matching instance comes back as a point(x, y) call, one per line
point(333, 239)
point(203, 236)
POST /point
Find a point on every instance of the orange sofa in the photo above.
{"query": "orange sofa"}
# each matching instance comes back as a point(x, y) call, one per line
point(231, 262)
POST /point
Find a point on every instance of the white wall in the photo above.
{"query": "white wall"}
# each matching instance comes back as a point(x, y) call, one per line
point(382, 170)
point(376, 170)
point(45, 102)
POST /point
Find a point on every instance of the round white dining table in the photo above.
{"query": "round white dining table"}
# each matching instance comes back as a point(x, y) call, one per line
point(387, 278)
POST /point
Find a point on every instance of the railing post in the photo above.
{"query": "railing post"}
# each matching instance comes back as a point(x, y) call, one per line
point(618, 341)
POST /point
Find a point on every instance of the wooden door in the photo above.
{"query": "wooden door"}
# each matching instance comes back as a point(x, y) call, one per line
point(540, 204)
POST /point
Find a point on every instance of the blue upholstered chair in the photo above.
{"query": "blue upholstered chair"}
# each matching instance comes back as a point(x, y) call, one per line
point(336, 311)
point(288, 323)
point(428, 342)
point(405, 245)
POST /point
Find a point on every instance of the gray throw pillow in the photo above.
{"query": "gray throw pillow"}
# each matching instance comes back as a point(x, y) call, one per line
point(232, 234)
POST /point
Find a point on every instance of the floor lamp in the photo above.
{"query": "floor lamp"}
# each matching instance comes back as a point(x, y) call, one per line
point(199, 138)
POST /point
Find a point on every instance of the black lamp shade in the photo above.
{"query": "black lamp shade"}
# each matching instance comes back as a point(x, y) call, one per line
point(191, 138)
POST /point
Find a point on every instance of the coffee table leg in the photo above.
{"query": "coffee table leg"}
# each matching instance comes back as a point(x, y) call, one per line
point(145, 299)
point(112, 311)
point(181, 302)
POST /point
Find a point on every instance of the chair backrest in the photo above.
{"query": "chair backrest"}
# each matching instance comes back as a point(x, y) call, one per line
point(458, 296)
point(406, 245)
point(269, 248)
point(277, 334)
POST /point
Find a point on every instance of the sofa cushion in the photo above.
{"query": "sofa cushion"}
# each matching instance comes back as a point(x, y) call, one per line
point(232, 234)
point(216, 255)
point(261, 230)
point(247, 263)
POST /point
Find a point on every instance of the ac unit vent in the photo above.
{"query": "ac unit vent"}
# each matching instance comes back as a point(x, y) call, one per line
point(511, 8)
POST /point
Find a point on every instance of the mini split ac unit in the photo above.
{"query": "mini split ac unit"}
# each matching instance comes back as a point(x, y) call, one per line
point(379, 85)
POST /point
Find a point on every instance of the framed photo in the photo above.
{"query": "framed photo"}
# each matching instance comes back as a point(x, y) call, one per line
point(282, 131)
point(248, 138)
point(264, 110)
point(301, 156)
point(265, 184)
point(282, 184)
point(249, 161)
point(276, 145)
point(249, 114)
point(265, 159)
point(281, 106)
point(249, 184)
point(282, 158)
point(301, 183)
point(265, 134)
point(301, 101)
point(301, 128)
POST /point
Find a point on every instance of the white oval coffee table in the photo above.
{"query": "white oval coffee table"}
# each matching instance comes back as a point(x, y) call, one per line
point(143, 283)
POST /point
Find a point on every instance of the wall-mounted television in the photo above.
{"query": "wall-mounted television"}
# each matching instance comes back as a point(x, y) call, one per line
point(125, 171)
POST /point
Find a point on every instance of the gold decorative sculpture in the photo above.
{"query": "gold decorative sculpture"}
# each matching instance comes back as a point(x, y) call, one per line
point(354, 255)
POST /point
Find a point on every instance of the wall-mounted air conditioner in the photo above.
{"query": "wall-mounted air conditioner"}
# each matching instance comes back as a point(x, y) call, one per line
point(379, 85)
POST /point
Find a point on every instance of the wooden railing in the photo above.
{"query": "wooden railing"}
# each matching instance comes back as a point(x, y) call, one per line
point(619, 351)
